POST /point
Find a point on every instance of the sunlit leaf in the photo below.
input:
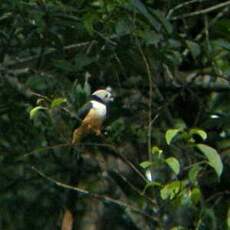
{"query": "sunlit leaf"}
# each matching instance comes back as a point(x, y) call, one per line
point(35, 110)
point(180, 124)
point(146, 164)
point(151, 184)
point(214, 159)
point(193, 173)
point(195, 195)
point(57, 102)
point(174, 164)
point(177, 228)
point(199, 132)
point(156, 150)
point(170, 134)
point(169, 191)
point(89, 20)
point(148, 174)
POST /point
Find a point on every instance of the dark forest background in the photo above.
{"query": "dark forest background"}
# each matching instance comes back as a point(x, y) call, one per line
point(163, 160)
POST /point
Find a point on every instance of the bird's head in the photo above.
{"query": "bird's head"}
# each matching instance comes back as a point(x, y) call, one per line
point(103, 95)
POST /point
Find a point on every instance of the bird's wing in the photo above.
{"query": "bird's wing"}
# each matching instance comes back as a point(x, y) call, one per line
point(83, 111)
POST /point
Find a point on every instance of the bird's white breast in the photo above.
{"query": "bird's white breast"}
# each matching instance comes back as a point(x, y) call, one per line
point(100, 109)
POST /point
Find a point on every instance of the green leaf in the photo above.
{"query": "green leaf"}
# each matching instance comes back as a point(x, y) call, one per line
point(228, 218)
point(199, 132)
point(180, 124)
point(151, 184)
point(177, 58)
point(195, 195)
point(156, 151)
point(146, 164)
point(80, 95)
point(151, 37)
point(214, 159)
point(143, 10)
point(89, 20)
point(223, 44)
point(174, 164)
point(193, 173)
point(162, 19)
point(57, 102)
point(35, 110)
point(171, 190)
point(82, 60)
point(222, 27)
point(194, 48)
point(210, 215)
point(170, 134)
point(123, 27)
point(177, 228)
point(38, 83)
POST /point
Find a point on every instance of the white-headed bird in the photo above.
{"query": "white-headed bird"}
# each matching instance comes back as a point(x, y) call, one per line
point(92, 114)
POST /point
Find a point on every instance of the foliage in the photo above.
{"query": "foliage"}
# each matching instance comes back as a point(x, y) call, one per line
point(163, 162)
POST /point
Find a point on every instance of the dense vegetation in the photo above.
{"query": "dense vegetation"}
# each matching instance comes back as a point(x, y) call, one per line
point(163, 160)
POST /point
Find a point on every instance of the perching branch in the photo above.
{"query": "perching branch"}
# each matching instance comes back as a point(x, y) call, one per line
point(113, 148)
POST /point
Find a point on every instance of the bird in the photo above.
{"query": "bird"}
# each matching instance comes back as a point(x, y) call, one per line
point(93, 114)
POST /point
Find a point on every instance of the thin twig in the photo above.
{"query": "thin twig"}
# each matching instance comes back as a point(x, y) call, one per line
point(72, 114)
point(41, 96)
point(149, 74)
point(222, 193)
point(204, 11)
point(140, 193)
point(25, 61)
point(113, 148)
point(6, 16)
point(93, 195)
point(181, 5)
point(211, 23)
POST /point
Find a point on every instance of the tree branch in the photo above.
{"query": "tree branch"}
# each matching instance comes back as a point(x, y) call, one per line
point(22, 63)
point(113, 148)
point(204, 11)
point(149, 74)
point(108, 199)
point(171, 11)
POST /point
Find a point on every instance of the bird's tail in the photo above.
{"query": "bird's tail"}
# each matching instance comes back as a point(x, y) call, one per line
point(68, 217)
point(77, 135)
